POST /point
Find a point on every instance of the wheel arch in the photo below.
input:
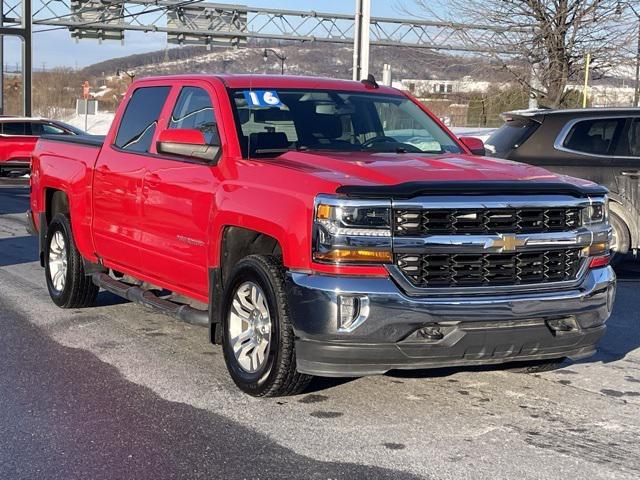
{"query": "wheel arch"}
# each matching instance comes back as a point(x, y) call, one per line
point(619, 207)
point(236, 243)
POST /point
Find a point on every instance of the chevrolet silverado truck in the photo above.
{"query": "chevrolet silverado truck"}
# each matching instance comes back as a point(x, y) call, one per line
point(322, 228)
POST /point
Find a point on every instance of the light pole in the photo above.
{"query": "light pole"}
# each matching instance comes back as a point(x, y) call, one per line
point(121, 73)
point(279, 56)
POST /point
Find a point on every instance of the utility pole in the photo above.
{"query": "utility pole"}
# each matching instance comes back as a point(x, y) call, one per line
point(361, 39)
point(636, 96)
point(585, 92)
point(27, 57)
point(636, 93)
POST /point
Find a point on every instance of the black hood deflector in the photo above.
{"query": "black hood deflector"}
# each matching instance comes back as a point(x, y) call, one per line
point(415, 189)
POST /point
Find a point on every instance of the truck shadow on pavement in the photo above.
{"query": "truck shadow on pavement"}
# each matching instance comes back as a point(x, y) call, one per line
point(14, 200)
point(109, 427)
point(18, 250)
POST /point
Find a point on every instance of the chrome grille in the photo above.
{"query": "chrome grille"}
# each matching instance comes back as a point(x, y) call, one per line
point(437, 221)
point(493, 269)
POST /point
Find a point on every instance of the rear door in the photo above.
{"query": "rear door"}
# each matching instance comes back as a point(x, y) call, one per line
point(177, 196)
point(118, 178)
point(626, 165)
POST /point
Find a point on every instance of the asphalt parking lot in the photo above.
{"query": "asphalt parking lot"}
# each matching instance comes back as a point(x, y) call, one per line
point(118, 392)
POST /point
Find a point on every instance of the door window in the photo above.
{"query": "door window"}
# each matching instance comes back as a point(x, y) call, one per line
point(140, 119)
point(16, 128)
point(631, 140)
point(593, 136)
point(194, 111)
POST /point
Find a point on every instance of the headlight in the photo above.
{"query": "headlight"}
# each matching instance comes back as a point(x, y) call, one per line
point(597, 212)
point(351, 231)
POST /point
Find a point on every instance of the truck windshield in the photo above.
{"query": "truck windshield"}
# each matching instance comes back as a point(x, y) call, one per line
point(275, 121)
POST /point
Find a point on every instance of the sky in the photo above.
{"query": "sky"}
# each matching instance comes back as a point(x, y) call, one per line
point(56, 48)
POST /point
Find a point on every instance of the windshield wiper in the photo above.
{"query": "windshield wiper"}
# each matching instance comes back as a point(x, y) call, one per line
point(275, 151)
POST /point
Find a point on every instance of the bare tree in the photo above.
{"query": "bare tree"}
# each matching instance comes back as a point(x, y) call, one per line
point(548, 39)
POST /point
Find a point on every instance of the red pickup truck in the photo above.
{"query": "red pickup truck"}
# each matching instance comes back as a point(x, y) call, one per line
point(322, 227)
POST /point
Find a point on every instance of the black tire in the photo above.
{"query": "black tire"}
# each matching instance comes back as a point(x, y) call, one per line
point(78, 290)
point(536, 366)
point(278, 376)
point(622, 242)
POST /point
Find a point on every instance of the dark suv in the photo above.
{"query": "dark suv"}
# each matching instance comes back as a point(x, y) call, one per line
point(599, 144)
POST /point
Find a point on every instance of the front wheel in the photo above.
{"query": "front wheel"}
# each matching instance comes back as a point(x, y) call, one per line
point(258, 339)
point(67, 283)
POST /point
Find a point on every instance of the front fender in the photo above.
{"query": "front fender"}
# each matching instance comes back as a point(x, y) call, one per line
point(281, 214)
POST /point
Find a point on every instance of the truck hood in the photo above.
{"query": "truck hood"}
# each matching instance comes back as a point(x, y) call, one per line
point(369, 169)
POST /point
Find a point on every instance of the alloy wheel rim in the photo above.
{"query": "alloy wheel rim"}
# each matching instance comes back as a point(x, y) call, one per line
point(250, 327)
point(58, 261)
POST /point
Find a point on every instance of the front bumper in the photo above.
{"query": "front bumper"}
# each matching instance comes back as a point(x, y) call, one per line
point(476, 329)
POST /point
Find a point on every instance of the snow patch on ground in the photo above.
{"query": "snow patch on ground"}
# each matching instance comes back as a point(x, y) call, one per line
point(96, 124)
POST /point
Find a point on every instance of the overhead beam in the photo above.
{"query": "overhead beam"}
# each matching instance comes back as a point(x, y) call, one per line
point(265, 23)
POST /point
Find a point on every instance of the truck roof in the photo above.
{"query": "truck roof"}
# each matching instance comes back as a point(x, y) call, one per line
point(279, 81)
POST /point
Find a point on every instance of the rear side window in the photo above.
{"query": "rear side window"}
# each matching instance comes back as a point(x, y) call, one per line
point(16, 128)
point(194, 111)
point(140, 119)
point(46, 129)
point(49, 129)
point(510, 135)
point(594, 137)
point(630, 142)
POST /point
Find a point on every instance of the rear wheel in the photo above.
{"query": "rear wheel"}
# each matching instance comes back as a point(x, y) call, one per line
point(67, 283)
point(258, 338)
point(621, 239)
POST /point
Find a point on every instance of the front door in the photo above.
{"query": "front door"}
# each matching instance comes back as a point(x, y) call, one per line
point(118, 179)
point(178, 197)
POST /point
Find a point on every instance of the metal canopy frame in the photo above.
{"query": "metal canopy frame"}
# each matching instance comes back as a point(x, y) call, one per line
point(15, 21)
point(197, 22)
point(231, 23)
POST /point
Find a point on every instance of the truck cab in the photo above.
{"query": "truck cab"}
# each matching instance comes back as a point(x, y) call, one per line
point(322, 227)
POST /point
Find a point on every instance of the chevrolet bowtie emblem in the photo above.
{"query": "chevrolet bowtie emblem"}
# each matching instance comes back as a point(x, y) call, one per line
point(507, 243)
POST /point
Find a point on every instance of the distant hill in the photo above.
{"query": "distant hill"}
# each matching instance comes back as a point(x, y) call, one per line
point(324, 59)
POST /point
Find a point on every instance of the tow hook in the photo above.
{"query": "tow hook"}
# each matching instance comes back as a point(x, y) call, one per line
point(431, 332)
point(560, 325)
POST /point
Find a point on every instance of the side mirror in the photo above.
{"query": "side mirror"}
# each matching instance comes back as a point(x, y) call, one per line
point(475, 145)
point(187, 143)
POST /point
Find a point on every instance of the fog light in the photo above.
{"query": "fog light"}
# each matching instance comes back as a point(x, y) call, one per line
point(352, 312)
point(566, 324)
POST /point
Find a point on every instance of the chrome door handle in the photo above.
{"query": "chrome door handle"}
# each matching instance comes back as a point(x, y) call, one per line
point(630, 173)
